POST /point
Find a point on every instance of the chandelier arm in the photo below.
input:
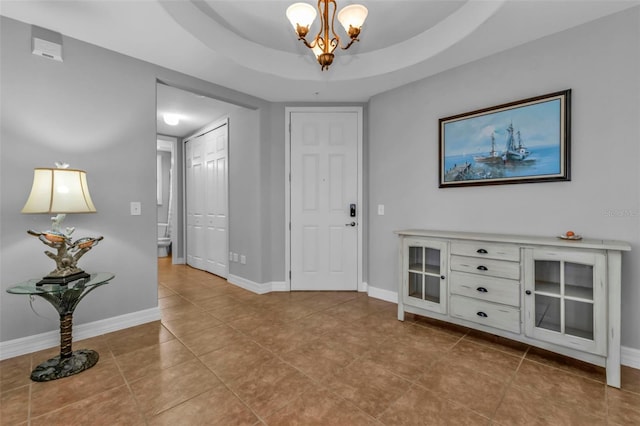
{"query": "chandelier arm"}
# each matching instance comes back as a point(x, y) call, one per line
point(306, 43)
point(323, 34)
point(350, 43)
point(335, 41)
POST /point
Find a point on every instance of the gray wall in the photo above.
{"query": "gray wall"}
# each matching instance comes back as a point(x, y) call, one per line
point(97, 111)
point(245, 193)
point(600, 62)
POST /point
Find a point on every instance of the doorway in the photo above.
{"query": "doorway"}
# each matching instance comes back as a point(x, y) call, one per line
point(193, 113)
point(166, 194)
point(324, 198)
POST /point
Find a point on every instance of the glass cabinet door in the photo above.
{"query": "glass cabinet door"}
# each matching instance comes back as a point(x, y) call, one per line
point(425, 279)
point(563, 299)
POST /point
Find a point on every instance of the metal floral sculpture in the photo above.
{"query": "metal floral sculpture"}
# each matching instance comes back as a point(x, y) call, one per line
point(67, 254)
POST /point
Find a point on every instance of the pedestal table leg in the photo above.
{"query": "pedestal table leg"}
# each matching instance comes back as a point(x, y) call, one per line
point(68, 362)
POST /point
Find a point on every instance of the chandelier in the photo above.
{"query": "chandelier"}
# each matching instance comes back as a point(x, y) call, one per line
point(302, 15)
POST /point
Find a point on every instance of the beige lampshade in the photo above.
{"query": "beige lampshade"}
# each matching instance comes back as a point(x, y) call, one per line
point(59, 191)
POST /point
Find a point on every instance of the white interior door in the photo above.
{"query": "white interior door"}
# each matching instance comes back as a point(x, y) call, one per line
point(207, 201)
point(323, 188)
point(195, 202)
point(216, 201)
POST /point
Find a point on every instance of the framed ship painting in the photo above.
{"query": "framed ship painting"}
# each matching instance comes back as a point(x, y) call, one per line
point(519, 142)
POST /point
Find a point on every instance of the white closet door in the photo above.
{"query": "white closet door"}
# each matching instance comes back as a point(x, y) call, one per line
point(195, 203)
point(216, 201)
point(207, 201)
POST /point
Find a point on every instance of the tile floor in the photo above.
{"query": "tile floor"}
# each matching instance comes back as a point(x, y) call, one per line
point(224, 356)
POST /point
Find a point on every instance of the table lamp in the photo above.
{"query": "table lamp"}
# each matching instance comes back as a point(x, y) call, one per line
point(60, 191)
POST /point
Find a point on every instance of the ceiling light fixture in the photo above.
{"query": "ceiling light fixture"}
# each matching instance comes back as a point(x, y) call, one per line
point(171, 119)
point(302, 15)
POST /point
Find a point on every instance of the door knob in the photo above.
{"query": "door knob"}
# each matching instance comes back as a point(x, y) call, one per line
point(350, 224)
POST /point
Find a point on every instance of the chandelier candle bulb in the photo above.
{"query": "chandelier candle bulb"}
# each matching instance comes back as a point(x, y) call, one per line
point(352, 17)
point(301, 15)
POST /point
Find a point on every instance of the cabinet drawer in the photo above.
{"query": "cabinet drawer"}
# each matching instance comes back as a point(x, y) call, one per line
point(490, 289)
point(491, 267)
point(486, 250)
point(486, 313)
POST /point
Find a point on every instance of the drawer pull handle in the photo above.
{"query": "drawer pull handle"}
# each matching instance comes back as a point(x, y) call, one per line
point(482, 268)
point(482, 251)
point(482, 314)
point(482, 290)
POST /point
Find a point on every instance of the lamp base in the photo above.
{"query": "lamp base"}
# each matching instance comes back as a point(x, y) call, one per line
point(62, 280)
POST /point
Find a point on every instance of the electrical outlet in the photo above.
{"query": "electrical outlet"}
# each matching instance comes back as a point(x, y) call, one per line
point(243, 259)
point(235, 257)
point(380, 209)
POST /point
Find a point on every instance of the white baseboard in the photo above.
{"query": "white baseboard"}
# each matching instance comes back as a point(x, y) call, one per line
point(279, 286)
point(252, 286)
point(50, 339)
point(382, 294)
point(630, 357)
point(258, 288)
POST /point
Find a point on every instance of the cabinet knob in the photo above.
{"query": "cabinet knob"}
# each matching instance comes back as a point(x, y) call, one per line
point(481, 251)
point(482, 268)
point(482, 290)
point(482, 314)
point(528, 292)
point(442, 277)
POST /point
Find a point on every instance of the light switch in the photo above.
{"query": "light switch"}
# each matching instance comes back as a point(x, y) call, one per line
point(136, 209)
point(243, 259)
point(380, 209)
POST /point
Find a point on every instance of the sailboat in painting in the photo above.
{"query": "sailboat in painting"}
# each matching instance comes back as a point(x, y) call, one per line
point(515, 152)
point(493, 156)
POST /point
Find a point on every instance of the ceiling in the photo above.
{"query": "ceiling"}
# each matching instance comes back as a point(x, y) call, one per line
point(195, 111)
point(250, 46)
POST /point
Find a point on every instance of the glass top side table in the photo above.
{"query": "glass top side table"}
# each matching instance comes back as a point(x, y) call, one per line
point(64, 299)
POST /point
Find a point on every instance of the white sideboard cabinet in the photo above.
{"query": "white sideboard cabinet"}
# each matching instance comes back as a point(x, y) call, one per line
point(560, 295)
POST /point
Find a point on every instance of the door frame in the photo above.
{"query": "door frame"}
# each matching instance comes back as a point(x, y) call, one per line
point(361, 286)
point(222, 121)
point(170, 144)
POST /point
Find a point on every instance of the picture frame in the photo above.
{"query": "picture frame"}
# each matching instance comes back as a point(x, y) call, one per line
point(525, 141)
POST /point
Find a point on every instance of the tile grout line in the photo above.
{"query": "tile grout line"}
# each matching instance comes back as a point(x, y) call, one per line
point(314, 381)
point(508, 385)
point(260, 420)
point(128, 385)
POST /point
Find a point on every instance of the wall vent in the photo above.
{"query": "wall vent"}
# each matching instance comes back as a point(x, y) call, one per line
point(46, 43)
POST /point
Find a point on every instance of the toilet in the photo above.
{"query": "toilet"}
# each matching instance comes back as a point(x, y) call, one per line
point(164, 240)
